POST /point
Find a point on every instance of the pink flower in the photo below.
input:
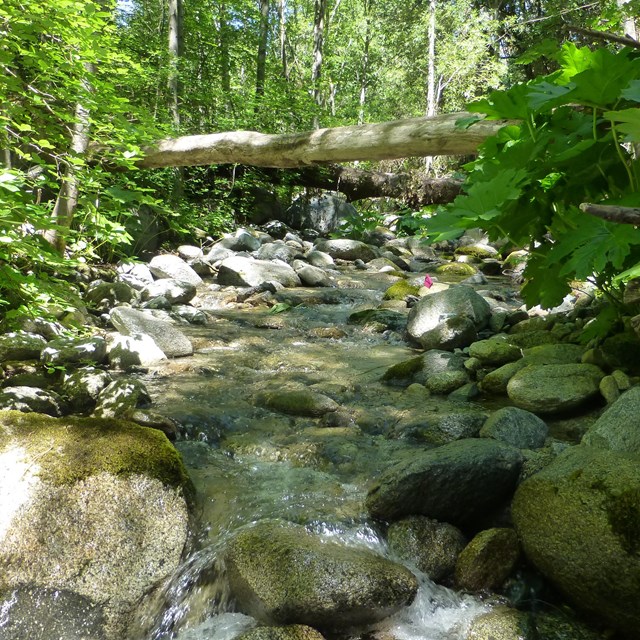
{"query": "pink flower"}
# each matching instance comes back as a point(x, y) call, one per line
point(428, 282)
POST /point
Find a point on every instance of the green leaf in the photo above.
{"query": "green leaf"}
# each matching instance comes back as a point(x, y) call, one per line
point(628, 119)
point(632, 91)
point(504, 104)
point(465, 123)
point(545, 95)
point(548, 48)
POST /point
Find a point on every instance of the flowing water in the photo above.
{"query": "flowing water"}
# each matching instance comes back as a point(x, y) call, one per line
point(249, 463)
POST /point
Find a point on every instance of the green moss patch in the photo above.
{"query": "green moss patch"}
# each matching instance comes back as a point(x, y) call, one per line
point(68, 450)
point(623, 512)
point(400, 290)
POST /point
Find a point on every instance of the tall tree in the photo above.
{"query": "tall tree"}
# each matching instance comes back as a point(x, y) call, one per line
point(320, 11)
point(431, 73)
point(263, 38)
point(175, 51)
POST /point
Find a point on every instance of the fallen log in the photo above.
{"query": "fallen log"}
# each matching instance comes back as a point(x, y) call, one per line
point(436, 136)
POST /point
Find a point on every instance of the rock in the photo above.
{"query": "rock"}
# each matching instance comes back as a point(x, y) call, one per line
point(456, 483)
point(533, 338)
point(175, 268)
point(313, 276)
point(344, 249)
point(175, 291)
point(553, 354)
point(82, 387)
point(431, 545)
point(516, 427)
point(321, 214)
point(622, 351)
point(277, 251)
point(554, 388)
point(609, 389)
point(453, 333)
point(120, 397)
point(281, 574)
point(618, 428)
point(403, 373)
point(48, 329)
point(477, 250)
point(105, 295)
point(456, 269)
point(247, 272)
point(97, 508)
point(584, 509)
point(172, 342)
point(488, 560)
point(496, 381)
point(153, 420)
point(288, 632)
point(494, 352)
point(135, 350)
point(400, 290)
point(300, 402)
point(189, 252)
point(319, 259)
point(445, 382)
point(135, 274)
point(187, 313)
point(441, 428)
point(433, 310)
point(386, 318)
point(503, 623)
point(21, 345)
point(31, 399)
point(72, 351)
point(49, 614)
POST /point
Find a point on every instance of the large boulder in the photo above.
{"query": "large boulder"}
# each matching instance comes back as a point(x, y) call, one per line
point(131, 322)
point(554, 388)
point(435, 309)
point(618, 428)
point(174, 267)
point(344, 249)
point(457, 483)
point(281, 574)
point(237, 271)
point(21, 345)
point(579, 523)
point(97, 508)
point(321, 214)
point(516, 427)
point(175, 291)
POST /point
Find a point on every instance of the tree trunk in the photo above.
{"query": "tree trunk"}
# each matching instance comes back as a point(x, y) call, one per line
point(67, 201)
point(320, 10)
point(282, 12)
point(384, 141)
point(364, 79)
point(261, 66)
point(175, 50)
point(225, 65)
point(431, 73)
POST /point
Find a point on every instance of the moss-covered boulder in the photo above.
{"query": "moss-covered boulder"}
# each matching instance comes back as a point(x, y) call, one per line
point(90, 506)
point(503, 623)
point(299, 402)
point(618, 428)
point(287, 632)
point(579, 523)
point(400, 290)
point(456, 269)
point(488, 560)
point(431, 545)
point(280, 574)
point(494, 352)
point(554, 388)
point(455, 483)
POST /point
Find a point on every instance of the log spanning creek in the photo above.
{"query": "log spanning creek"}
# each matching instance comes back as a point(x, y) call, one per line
point(253, 459)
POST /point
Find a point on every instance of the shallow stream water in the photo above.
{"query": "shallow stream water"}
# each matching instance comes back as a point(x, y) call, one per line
point(249, 463)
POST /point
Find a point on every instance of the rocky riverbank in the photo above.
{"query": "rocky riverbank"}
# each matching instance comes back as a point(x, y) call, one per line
point(490, 449)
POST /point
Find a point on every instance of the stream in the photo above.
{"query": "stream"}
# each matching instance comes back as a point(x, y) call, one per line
point(249, 463)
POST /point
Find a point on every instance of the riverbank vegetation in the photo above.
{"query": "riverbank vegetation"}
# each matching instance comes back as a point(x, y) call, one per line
point(86, 87)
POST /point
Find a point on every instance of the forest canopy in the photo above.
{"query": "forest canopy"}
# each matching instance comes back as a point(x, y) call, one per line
point(87, 85)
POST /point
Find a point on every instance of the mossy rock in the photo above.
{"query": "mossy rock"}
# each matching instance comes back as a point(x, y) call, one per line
point(71, 449)
point(393, 320)
point(622, 351)
point(287, 632)
point(299, 402)
point(403, 373)
point(502, 623)
point(281, 574)
point(456, 269)
point(528, 339)
point(400, 290)
point(584, 508)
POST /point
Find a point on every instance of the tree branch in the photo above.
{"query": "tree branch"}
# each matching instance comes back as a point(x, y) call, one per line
point(604, 35)
point(612, 213)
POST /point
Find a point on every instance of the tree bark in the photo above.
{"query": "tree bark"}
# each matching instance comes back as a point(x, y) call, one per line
point(320, 10)
point(383, 141)
point(613, 213)
point(357, 184)
point(175, 47)
point(431, 73)
point(282, 12)
point(261, 66)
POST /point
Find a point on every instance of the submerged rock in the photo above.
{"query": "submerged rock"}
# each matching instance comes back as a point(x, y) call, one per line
point(579, 523)
point(299, 402)
point(281, 574)
point(288, 632)
point(455, 483)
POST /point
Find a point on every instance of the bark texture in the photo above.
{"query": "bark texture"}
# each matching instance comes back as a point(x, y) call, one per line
point(387, 140)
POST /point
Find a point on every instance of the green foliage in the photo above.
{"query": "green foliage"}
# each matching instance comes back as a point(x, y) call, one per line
point(569, 147)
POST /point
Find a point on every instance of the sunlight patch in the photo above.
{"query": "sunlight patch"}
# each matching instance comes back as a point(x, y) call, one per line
point(17, 476)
